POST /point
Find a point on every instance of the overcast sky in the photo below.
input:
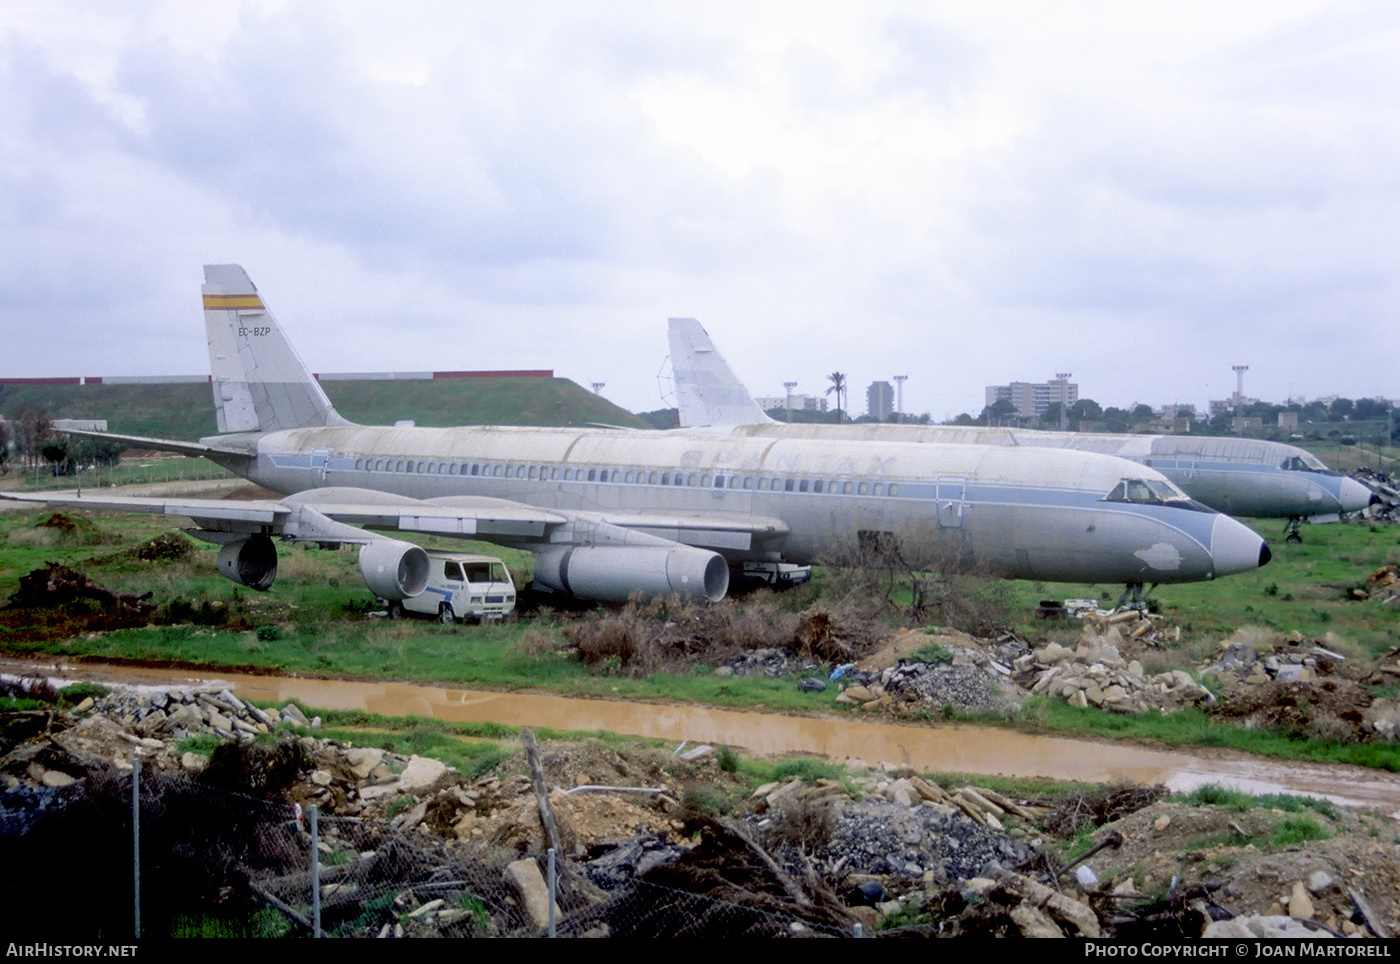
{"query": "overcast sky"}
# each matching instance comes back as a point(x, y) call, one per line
point(1143, 194)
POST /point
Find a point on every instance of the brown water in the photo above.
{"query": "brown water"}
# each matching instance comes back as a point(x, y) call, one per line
point(924, 747)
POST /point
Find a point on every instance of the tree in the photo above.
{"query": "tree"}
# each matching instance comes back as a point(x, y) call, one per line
point(1085, 410)
point(999, 411)
point(838, 385)
point(35, 428)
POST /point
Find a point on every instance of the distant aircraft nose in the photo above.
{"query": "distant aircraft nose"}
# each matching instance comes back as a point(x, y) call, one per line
point(1234, 547)
point(1353, 496)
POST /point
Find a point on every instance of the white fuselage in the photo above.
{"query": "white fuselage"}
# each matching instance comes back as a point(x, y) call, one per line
point(1006, 511)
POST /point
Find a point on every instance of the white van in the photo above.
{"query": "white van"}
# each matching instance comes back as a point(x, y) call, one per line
point(461, 586)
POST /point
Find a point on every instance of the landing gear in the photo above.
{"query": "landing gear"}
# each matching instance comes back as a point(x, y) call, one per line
point(1138, 601)
point(446, 616)
point(1292, 528)
point(396, 610)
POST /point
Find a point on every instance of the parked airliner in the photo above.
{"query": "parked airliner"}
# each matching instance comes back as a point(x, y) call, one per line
point(610, 513)
point(1242, 477)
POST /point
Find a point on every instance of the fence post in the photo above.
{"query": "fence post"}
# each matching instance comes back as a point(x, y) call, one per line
point(315, 874)
point(553, 891)
point(136, 844)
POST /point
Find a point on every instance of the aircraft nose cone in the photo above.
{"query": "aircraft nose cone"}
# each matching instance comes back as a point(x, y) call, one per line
point(1234, 547)
point(1353, 496)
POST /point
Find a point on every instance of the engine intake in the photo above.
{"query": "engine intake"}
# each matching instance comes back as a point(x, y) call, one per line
point(250, 562)
point(613, 573)
point(394, 569)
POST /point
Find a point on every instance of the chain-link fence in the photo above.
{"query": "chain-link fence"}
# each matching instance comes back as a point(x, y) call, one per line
point(149, 854)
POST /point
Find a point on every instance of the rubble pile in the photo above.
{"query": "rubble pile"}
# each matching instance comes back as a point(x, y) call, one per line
point(969, 680)
point(1386, 506)
point(773, 662)
point(182, 712)
point(1383, 585)
point(1094, 674)
point(1245, 662)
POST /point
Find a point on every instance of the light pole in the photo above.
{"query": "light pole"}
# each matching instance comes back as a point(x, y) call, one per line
point(1239, 371)
point(899, 397)
point(789, 386)
point(1064, 378)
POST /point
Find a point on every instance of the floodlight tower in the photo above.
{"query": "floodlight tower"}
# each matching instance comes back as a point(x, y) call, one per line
point(1063, 378)
point(598, 387)
point(789, 386)
point(899, 397)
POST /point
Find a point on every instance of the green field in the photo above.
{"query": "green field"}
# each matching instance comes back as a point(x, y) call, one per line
point(315, 622)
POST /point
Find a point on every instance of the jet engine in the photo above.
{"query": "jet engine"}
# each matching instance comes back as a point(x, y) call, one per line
point(613, 573)
point(250, 562)
point(393, 569)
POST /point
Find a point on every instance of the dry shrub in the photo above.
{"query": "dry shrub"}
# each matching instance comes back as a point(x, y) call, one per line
point(1098, 807)
point(805, 824)
point(535, 641)
point(644, 637)
point(606, 639)
point(922, 575)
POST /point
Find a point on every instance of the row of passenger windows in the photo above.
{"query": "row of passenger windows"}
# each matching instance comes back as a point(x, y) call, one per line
point(556, 473)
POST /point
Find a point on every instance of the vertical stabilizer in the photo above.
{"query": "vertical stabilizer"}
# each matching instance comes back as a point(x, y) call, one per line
point(260, 384)
point(707, 392)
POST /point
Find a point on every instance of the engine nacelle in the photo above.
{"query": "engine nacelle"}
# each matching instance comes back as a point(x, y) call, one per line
point(250, 562)
point(613, 573)
point(393, 569)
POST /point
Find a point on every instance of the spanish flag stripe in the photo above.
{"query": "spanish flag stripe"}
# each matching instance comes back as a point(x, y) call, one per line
point(225, 302)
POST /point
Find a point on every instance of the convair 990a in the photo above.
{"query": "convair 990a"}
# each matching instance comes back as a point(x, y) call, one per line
point(1244, 477)
point(612, 513)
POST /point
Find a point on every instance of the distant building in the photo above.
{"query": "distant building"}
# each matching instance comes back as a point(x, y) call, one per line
point(879, 401)
point(800, 403)
point(1033, 398)
point(1178, 410)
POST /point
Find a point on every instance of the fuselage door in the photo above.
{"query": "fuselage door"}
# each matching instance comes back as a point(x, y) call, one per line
point(949, 499)
point(319, 460)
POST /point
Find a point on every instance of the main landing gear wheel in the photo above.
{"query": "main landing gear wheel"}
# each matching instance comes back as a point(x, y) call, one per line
point(395, 610)
point(446, 616)
point(1293, 529)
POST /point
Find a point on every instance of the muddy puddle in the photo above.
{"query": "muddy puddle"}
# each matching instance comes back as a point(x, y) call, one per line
point(925, 747)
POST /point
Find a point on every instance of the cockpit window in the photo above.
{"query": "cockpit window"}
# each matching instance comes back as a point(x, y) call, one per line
point(1145, 491)
point(1303, 463)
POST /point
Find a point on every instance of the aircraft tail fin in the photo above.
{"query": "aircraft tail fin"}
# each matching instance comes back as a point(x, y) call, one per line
point(260, 383)
point(708, 393)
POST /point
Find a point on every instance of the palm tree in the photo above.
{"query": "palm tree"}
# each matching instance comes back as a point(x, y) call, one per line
point(838, 385)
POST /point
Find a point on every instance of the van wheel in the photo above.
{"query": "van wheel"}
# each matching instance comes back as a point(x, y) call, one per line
point(446, 616)
point(396, 610)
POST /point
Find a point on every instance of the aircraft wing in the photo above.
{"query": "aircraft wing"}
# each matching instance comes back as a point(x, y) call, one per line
point(598, 555)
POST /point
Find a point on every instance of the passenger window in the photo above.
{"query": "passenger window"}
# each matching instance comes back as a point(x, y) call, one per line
point(860, 489)
point(817, 485)
point(846, 488)
point(690, 480)
point(787, 486)
point(894, 488)
point(802, 486)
